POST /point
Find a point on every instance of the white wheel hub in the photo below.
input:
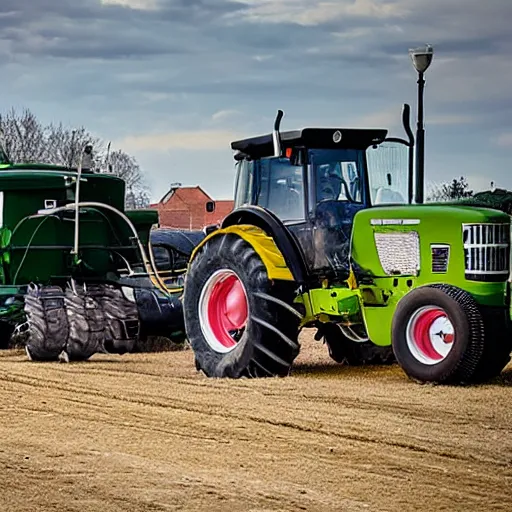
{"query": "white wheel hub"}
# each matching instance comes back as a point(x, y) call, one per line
point(223, 310)
point(430, 335)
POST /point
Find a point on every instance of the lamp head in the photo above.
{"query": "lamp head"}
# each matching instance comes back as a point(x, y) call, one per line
point(422, 57)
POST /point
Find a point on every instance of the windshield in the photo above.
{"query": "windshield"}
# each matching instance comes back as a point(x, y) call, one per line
point(388, 173)
point(244, 183)
point(337, 174)
point(281, 188)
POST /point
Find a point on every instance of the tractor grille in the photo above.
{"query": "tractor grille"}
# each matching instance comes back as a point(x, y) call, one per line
point(399, 252)
point(487, 251)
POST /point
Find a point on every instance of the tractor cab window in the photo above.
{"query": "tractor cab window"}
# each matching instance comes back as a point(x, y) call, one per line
point(388, 173)
point(281, 188)
point(337, 175)
point(244, 183)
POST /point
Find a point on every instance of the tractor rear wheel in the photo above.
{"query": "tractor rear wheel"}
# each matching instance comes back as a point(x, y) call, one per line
point(438, 334)
point(354, 353)
point(498, 344)
point(238, 322)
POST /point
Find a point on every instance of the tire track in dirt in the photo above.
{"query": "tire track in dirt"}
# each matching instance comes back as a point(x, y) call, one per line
point(184, 405)
point(158, 436)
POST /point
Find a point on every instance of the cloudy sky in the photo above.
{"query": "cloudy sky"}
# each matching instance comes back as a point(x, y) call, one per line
point(173, 82)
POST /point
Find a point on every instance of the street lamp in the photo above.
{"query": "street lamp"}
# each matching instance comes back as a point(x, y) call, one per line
point(421, 59)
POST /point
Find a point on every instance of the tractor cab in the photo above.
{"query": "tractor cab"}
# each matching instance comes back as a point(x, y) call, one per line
point(315, 180)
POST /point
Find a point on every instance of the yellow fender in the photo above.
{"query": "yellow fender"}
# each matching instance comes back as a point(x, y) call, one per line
point(263, 244)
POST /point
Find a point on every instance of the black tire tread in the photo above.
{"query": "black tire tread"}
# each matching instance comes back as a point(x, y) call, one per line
point(463, 370)
point(122, 324)
point(48, 326)
point(498, 345)
point(86, 321)
point(274, 328)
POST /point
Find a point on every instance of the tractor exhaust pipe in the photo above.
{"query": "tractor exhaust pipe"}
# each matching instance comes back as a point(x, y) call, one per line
point(275, 135)
point(406, 122)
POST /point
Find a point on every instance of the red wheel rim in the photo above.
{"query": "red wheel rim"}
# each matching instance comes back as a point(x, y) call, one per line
point(430, 335)
point(224, 310)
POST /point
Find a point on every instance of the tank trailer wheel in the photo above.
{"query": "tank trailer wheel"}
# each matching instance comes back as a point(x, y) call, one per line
point(438, 334)
point(121, 315)
point(48, 326)
point(75, 324)
point(86, 321)
point(238, 322)
point(353, 353)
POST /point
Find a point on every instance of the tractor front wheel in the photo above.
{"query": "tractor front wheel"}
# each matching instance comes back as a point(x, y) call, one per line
point(238, 322)
point(438, 334)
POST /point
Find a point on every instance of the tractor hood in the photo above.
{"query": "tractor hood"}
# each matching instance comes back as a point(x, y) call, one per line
point(465, 246)
point(434, 216)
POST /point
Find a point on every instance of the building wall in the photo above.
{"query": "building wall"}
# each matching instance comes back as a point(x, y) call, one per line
point(186, 209)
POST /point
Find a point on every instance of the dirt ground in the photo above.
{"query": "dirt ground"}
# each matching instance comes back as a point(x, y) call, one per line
point(146, 432)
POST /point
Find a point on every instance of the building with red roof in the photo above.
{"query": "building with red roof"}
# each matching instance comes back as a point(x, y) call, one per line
point(185, 208)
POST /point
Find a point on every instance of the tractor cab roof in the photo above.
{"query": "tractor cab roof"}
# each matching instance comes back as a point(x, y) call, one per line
point(314, 138)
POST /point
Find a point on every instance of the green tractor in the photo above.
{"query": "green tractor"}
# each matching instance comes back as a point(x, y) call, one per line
point(78, 274)
point(326, 234)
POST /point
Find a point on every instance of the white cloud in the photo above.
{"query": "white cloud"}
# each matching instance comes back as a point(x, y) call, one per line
point(505, 140)
point(478, 183)
point(306, 12)
point(204, 140)
point(140, 5)
point(391, 118)
point(450, 119)
point(388, 118)
point(223, 115)
point(262, 58)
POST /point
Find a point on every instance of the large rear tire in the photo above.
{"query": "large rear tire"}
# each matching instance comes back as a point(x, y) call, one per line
point(238, 322)
point(438, 334)
point(498, 344)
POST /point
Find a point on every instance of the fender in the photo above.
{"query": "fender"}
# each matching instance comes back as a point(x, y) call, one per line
point(281, 236)
point(264, 246)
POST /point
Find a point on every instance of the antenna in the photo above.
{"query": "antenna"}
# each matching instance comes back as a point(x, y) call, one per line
point(107, 161)
point(72, 151)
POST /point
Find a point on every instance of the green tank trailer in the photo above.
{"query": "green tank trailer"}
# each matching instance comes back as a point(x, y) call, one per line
point(78, 273)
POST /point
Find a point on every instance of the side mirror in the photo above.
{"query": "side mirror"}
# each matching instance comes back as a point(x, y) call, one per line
point(210, 206)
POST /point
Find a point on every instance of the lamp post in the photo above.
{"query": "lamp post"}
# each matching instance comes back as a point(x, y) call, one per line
point(421, 59)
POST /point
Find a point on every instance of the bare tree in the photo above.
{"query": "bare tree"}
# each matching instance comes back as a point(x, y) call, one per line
point(455, 190)
point(126, 167)
point(23, 139)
